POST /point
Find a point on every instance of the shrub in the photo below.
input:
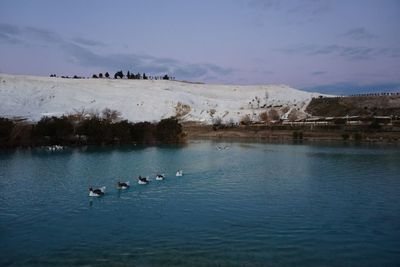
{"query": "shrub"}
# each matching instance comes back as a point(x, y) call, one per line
point(245, 120)
point(357, 137)
point(96, 130)
point(169, 130)
point(273, 114)
point(110, 115)
point(6, 127)
point(143, 132)
point(53, 130)
point(345, 136)
point(122, 131)
point(375, 125)
point(263, 116)
point(217, 121)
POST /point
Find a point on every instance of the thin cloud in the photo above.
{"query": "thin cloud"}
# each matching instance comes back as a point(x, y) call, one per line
point(318, 73)
point(348, 52)
point(310, 7)
point(9, 29)
point(76, 49)
point(358, 34)
point(9, 33)
point(143, 63)
point(6, 38)
point(304, 7)
point(44, 35)
point(87, 42)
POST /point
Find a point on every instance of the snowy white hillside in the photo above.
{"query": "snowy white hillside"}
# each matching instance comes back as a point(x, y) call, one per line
point(144, 100)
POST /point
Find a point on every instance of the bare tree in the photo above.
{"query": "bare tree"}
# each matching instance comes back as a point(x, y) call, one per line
point(111, 115)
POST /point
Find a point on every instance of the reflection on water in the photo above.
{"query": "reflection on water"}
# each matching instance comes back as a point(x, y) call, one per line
point(252, 204)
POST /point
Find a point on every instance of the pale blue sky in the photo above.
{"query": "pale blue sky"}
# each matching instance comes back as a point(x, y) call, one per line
point(330, 45)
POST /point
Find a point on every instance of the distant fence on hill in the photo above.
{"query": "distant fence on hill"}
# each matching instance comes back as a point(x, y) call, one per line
point(376, 94)
point(364, 95)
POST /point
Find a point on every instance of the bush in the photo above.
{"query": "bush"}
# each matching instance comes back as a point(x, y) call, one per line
point(6, 127)
point(263, 116)
point(245, 120)
point(143, 132)
point(345, 136)
point(122, 131)
point(95, 130)
point(110, 115)
point(53, 130)
point(357, 137)
point(217, 121)
point(169, 130)
point(375, 125)
point(273, 115)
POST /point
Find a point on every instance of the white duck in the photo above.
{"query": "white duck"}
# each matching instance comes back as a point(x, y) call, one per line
point(123, 185)
point(179, 173)
point(98, 192)
point(143, 180)
point(160, 177)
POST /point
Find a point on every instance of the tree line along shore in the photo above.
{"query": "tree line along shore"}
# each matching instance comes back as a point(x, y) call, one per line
point(75, 130)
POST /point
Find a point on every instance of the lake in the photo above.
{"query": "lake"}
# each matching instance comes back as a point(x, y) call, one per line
point(244, 204)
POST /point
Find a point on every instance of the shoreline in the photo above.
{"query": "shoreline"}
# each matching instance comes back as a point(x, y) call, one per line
point(265, 133)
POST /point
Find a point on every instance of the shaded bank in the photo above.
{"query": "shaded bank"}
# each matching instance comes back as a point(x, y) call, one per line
point(87, 131)
point(390, 134)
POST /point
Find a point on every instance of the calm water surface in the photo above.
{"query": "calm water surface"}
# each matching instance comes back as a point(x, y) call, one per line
point(248, 205)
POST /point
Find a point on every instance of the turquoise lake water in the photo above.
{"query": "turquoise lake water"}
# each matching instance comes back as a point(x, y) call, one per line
point(250, 204)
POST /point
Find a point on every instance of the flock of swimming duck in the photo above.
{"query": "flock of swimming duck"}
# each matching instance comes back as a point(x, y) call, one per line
point(98, 192)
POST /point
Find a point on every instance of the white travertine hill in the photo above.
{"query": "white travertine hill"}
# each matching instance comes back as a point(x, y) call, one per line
point(32, 97)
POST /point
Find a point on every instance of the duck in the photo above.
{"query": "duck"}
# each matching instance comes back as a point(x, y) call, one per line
point(179, 173)
point(143, 180)
point(160, 177)
point(123, 185)
point(98, 192)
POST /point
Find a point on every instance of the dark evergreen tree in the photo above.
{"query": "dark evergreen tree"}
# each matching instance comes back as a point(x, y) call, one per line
point(94, 76)
point(100, 75)
point(119, 74)
point(144, 76)
point(166, 77)
point(107, 75)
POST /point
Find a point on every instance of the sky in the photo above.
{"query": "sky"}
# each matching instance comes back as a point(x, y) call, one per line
point(330, 46)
